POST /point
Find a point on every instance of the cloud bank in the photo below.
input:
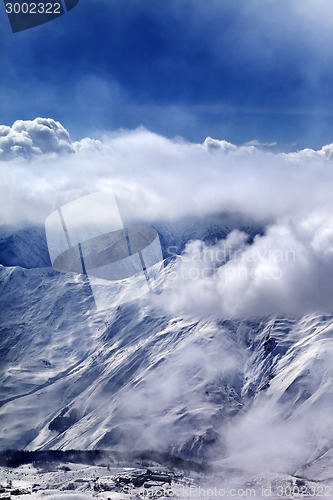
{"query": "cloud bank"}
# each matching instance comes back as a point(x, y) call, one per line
point(156, 177)
point(33, 138)
point(288, 269)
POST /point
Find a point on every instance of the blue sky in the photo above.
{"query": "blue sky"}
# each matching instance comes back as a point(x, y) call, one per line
point(238, 70)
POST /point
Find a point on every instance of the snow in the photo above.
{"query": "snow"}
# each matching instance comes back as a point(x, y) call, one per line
point(68, 480)
point(253, 396)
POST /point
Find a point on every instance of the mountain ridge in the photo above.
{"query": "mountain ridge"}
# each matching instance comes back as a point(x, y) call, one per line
point(239, 393)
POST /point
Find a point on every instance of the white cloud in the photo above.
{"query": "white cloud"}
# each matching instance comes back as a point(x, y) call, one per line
point(256, 142)
point(157, 178)
point(326, 152)
point(86, 145)
point(29, 138)
point(287, 271)
point(228, 147)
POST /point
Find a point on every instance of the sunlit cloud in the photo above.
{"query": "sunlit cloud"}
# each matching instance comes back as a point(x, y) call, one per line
point(157, 179)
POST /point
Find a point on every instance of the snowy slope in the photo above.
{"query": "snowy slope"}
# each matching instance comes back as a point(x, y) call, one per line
point(25, 247)
point(100, 381)
point(107, 479)
point(255, 395)
point(289, 383)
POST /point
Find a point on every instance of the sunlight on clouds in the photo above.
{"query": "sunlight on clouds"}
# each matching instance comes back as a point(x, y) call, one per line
point(163, 178)
point(287, 269)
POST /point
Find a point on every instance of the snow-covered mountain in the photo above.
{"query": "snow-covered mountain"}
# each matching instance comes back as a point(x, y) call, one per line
point(255, 395)
point(25, 247)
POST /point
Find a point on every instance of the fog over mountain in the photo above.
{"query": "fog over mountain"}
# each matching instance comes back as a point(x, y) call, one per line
point(229, 359)
point(289, 196)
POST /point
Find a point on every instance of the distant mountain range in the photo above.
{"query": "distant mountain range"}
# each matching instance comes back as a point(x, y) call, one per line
point(256, 395)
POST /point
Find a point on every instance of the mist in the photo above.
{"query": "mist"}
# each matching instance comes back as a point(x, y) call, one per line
point(286, 270)
point(157, 178)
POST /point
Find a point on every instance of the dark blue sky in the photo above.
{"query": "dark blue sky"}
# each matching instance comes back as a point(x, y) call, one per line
point(231, 69)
